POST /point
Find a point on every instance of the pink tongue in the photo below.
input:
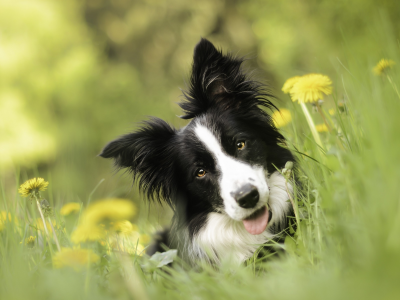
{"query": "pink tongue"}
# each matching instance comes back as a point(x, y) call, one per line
point(257, 225)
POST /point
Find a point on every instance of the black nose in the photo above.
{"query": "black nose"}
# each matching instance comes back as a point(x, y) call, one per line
point(247, 196)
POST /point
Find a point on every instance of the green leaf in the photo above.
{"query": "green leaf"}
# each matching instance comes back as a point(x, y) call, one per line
point(164, 258)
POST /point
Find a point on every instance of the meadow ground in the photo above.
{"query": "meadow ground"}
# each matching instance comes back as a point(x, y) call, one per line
point(347, 244)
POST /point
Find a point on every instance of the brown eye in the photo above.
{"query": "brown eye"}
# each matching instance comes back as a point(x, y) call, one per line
point(240, 145)
point(201, 173)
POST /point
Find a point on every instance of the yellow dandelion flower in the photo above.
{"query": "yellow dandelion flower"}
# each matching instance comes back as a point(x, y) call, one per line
point(310, 88)
point(32, 186)
point(86, 233)
point(124, 227)
point(30, 241)
point(7, 218)
point(101, 216)
point(382, 65)
point(4, 219)
point(289, 84)
point(140, 249)
point(127, 244)
point(108, 210)
point(332, 111)
point(128, 239)
point(4, 215)
point(282, 117)
point(321, 127)
point(76, 259)
point(70, 208)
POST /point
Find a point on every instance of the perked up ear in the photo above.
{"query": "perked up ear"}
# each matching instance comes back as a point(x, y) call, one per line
point(217, 80)
point(149, 155)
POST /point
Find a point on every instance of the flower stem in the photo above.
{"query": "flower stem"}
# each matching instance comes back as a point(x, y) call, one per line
point(44, 224)
point(42, 217)
point(54, 235)
point(312, 126)
point(393, 85)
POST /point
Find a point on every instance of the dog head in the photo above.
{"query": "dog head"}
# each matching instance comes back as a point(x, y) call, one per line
point(220, 162)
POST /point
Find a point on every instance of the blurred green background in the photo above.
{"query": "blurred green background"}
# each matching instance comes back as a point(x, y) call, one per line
point(76, 74)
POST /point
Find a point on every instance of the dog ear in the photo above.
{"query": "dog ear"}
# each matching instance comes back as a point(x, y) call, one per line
point(149, 155)
point(217, 80)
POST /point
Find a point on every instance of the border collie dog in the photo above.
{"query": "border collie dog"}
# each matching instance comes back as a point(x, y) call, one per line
point(219, 173)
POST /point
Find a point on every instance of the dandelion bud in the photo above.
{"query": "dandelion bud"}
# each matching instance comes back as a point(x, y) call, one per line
point(289, 165)
point(30, 241)
point(47, 210)
point(287, 170)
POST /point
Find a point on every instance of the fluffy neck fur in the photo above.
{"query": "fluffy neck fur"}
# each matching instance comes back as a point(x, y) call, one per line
point(224, 238)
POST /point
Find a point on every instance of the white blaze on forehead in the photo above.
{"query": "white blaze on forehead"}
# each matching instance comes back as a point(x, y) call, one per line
point(233, 175)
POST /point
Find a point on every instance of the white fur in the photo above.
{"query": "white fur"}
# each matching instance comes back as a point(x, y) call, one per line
point(234, 175)
point(225, 238)
point(279, 201)
point(224, 235)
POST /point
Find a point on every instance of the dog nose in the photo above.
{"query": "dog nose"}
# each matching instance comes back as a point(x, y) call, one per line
point(247, 196)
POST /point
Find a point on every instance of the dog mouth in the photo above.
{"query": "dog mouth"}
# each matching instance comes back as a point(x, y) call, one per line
point(258, 221)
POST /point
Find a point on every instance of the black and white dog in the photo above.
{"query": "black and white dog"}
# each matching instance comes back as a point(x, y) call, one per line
point(218, 173)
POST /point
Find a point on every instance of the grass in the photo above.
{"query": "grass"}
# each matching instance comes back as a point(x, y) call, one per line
point(347, 244)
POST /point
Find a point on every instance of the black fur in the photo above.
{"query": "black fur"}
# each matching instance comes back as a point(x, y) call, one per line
point(149, 154)
point(217, 81)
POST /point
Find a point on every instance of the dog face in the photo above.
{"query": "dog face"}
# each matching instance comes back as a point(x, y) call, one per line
point(235, 169)
point(222, 160)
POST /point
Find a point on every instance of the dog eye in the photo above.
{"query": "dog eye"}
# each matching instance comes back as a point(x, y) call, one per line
point(240, 145)
point(201, 173)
